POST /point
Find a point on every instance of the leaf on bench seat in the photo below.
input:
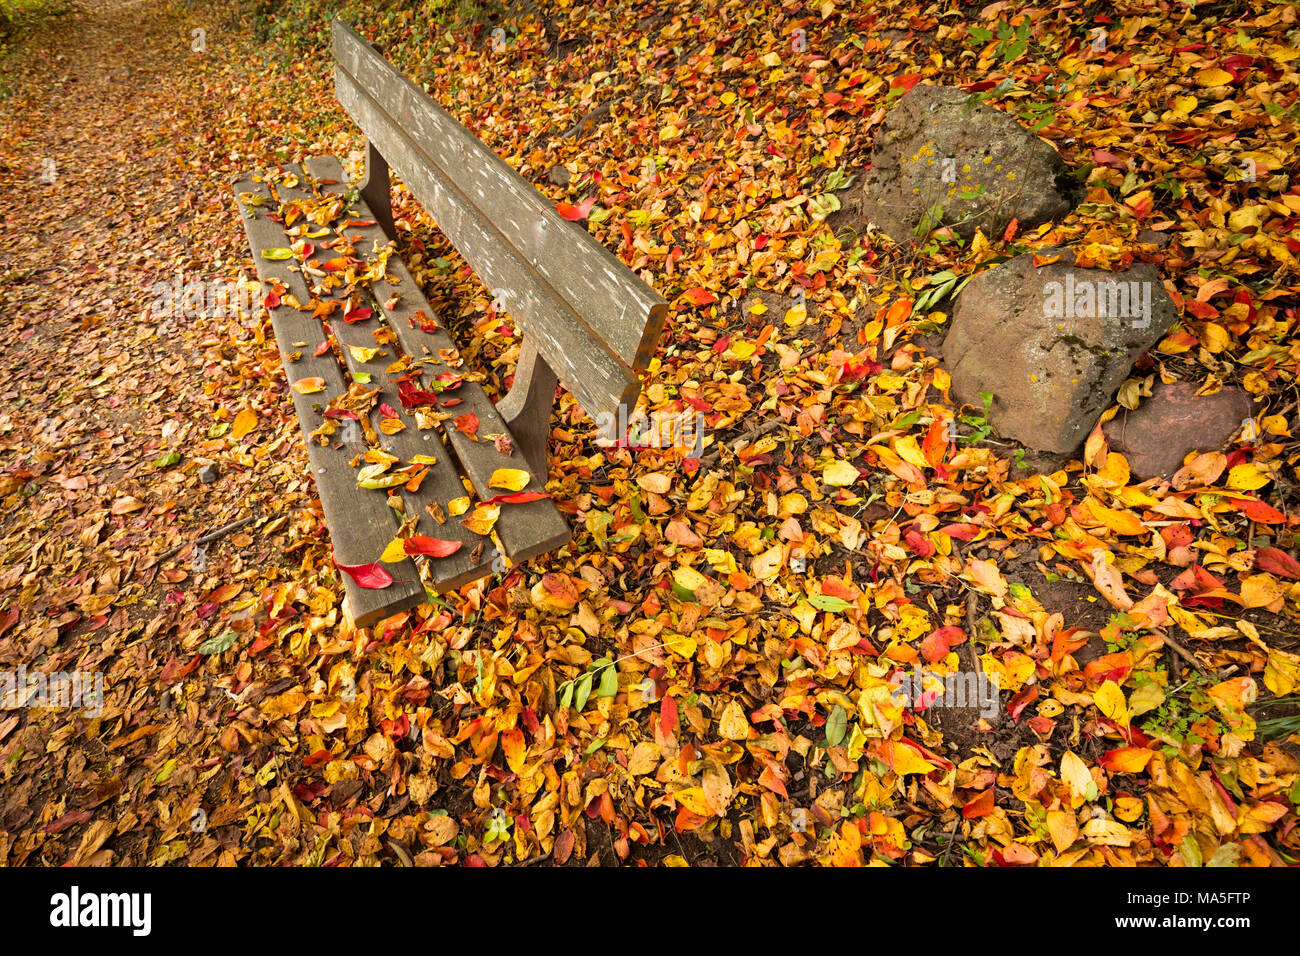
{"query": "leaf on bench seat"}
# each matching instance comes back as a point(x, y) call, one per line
point(372, 576)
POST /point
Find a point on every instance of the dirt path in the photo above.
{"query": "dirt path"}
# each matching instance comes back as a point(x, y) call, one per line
point(108, 410)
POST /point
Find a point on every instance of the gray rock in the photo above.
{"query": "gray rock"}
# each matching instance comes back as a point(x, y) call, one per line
point(557, 176)
point(941, 158)
point(1157, 435)
point(209, 474)
point(1052, 343)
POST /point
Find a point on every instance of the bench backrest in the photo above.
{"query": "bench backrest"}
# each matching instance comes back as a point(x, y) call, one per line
point(594, 322)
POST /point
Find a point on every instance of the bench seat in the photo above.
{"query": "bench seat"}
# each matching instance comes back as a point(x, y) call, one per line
point(361, 521)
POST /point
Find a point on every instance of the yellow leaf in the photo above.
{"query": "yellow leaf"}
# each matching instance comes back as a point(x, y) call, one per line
point(1215, 337)
point(1247, 477)
point(362, 354)
point(767, 565)
point(1121, 522)
point(511, 479)
point(482, 519)
point(655, 482)
point(689, 578)
point(244, 423)
point(1213, 76)
point(732, 724)
point(1075, 773)
point(1261, 590)
point(396, 551)
point(910, 452)
point(905, 760)
point(457, 506)
point(743, 350)
point(1114, 473)
point(306, 386)
point(1110, 701)
point(841, 474)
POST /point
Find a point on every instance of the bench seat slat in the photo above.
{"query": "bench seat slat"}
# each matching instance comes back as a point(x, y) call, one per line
point(526, 529)
point(359, 527)
point(443, 482)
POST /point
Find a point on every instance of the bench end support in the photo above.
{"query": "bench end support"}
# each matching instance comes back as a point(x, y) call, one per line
point(377, 191)
point(527, 408)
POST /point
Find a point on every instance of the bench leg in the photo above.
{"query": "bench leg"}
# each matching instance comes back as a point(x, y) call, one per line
point(527, 407)
point(377, 191)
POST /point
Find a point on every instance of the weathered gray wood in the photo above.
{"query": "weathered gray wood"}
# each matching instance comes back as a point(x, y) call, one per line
point(377, 191)
point(359, 525)
point(525, 529)
point(594, 321)
point(443, 483)
point(527, 408)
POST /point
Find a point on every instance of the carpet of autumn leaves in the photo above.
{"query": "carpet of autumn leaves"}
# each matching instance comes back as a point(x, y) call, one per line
point(1143, 637)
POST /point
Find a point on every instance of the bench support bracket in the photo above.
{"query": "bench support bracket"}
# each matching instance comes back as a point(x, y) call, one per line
point(527, 408)
point(377, 191)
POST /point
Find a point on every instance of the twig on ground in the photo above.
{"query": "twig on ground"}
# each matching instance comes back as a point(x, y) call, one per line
point(712, 457)
point(210, 536)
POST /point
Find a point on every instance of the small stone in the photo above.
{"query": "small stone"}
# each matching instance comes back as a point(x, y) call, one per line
point(558, 176)
point(1151, 237)
point(208, 474)
point(1172, 423)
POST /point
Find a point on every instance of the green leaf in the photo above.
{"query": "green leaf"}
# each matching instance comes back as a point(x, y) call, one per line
point(277, 253)
point(222, 642)
point(824, 602)
point(584, 691)
point(608, 682)
point(167, 460)
point(566, 694)
point(836, 724)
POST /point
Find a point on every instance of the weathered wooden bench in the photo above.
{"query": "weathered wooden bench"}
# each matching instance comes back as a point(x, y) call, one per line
point(585, 318)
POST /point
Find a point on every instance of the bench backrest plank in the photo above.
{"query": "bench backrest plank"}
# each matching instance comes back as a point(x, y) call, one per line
point(592, 319)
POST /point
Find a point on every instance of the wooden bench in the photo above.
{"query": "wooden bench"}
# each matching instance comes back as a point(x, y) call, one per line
point(584, 316)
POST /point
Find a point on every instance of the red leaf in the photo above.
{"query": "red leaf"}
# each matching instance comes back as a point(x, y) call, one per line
point(467, 423)
point(413, 396)
point(667, 717)
point(321, 349)
point(978, 806)
point(358, 315)
point(388, 411)
point(1276, 561)
point(518, 498)
point(371, 576)
point(937, 645)
point(1260, 511)
point(574, 213)
point(700, 296)
point(905, 81)
point(432, 547)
